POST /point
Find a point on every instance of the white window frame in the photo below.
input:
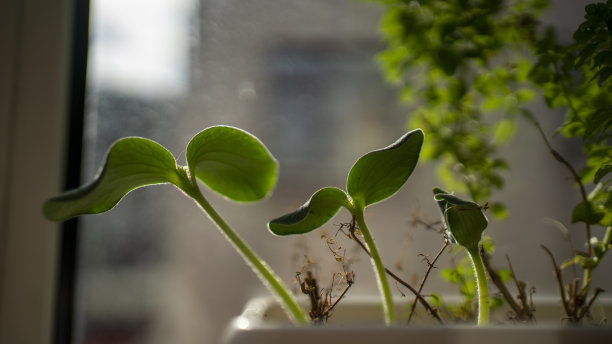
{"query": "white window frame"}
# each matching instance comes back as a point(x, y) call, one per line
point(35, 36)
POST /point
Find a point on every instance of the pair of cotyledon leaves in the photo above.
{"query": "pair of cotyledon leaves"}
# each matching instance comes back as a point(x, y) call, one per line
point(228, 160)
point(373, 178)
point(237, 165)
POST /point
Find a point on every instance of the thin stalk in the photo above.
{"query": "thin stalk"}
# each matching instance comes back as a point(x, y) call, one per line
point(586, 278)
point(574, 173)
point(483, 289)
point(417, 294)
point(560, 281)
point(430, 266)
point(379, 269)
point(607, 239)
point(261, 269)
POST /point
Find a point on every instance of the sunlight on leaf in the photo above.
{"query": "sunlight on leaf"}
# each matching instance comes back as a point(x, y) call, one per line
point(130, 163)
point(233, 163)
point(379, 174)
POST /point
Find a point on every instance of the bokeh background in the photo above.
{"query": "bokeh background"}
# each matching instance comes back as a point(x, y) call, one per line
point(301, 76)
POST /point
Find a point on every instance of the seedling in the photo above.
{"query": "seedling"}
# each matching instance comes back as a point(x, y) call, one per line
point(228, 160)
point(465, 222)
point(376, 176)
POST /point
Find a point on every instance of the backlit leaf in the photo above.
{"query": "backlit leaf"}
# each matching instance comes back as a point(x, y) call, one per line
point(233, 163)
point(379, 174)
point(130, 163)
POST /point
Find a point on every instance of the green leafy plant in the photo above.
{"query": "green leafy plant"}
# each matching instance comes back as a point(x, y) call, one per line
point(469, 68)
point(465, 222)
point(576, 77)
point(461, 67)
point(375, 176)
point(228, 160)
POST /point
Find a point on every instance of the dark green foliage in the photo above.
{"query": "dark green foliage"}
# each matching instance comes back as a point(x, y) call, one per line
point(576, 77)
point(459, 63)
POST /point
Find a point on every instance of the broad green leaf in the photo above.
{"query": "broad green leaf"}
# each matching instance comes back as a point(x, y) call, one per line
point(379, 174)
point(584, 212)
point(130, 163)
point(499, 210)
point(233, 163)
point(321, 207)
point(602, 172)
point(504, 130)
point(465, 220)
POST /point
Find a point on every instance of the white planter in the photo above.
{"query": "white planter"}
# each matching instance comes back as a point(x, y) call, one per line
point(357, 321)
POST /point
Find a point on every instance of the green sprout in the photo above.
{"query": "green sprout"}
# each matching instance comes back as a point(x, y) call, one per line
point(228, 160)
point(374, 177)
point(465, 222)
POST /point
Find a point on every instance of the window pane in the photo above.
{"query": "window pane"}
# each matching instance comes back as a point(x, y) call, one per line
point(302, 77)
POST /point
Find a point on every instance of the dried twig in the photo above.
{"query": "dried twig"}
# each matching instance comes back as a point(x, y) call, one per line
point(430, 266)
point(575, 175)
point(524, 311)
point(560, 282)
point(431, 310)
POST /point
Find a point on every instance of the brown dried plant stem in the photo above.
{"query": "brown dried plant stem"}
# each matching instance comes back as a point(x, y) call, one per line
point(575, 175)
point(574, 304)
point(560, 281)
point(421, 299)
point(524, 310)
point(430, 266)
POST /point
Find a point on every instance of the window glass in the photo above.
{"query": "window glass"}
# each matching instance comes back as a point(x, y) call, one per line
point(301, 76)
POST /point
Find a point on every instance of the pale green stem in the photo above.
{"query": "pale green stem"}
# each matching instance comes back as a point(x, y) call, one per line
point(586, 278)
point(261, 269)
point(379, 269)
point(608, 237)
point(483, 289)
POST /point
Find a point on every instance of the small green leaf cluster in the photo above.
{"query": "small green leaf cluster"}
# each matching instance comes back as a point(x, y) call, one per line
point(576, 77)
point(460, 64)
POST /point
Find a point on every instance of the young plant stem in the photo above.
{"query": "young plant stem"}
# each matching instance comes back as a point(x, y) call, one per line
point(481, 281)
point(418, 296)
point(379, 268)
point(261, 269)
